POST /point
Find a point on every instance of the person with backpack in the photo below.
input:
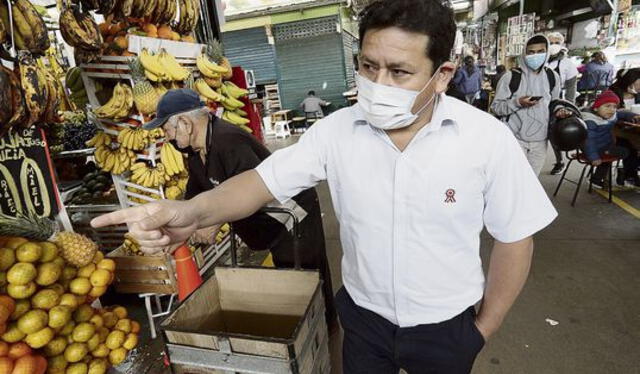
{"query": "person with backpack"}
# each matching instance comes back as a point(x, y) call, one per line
point(568, 72)
point(523, 97)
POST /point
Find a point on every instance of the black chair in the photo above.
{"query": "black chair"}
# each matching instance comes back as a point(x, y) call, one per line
point(311, 118)
point(581, 158)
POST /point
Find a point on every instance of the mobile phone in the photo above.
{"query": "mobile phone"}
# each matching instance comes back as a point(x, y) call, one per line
point(535, 98)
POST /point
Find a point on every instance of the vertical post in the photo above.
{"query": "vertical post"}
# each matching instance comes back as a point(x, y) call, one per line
point(614, 17)
point(234, 247)
point(522, 7)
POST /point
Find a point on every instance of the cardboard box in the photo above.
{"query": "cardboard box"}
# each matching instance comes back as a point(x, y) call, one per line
point(250, 320)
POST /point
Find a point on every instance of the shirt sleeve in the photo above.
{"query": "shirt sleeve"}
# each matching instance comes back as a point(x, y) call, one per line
point(569, 70)
point(503, 103)
point(298, 167)
point(557, 89)
point(516, 205)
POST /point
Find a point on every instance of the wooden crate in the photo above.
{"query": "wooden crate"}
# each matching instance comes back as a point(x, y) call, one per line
point(143, 274)
point(250, 320)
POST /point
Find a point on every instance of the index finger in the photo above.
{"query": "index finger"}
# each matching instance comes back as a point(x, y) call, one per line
point(128, 215)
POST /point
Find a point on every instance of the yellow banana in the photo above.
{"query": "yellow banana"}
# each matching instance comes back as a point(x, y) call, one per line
point(152, 64)
point(203, 89)
point(209, 68)
point(234, 118)
point(173, 68)
point(234, 90)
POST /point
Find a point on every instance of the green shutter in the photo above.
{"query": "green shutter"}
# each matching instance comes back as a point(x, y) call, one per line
point(310, 54)
point(250, 49)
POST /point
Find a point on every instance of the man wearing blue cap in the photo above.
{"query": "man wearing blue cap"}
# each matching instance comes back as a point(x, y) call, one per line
point(217, 151)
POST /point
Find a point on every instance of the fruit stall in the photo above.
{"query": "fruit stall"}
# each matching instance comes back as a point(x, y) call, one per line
point(79, 79)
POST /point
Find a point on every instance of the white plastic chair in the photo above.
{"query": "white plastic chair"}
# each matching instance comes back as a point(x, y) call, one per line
point(267, 127)
point(282, 130)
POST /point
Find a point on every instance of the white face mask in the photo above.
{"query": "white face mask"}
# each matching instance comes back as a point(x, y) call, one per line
point(389, 108)
point(554, 49)
point(628, 103)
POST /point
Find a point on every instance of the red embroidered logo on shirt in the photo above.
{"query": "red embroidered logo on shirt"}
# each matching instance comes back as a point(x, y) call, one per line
point(451, 196)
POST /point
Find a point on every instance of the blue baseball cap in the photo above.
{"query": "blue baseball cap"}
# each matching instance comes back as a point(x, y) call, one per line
point(174, 102)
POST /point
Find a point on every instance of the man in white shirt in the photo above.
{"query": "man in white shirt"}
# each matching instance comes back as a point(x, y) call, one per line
point(568, 72)
point(414, 177)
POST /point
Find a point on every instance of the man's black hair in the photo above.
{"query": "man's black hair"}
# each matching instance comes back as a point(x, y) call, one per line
point(429, 17)
point(538, 39)
point(312, 93)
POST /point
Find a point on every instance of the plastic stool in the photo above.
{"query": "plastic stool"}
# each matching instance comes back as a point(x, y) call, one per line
point(282, 129)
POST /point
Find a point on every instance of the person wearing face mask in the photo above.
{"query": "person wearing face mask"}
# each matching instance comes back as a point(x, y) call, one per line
point(523, 97)
point(568, 73)
point(414, 177)
point(600, 121)
point(218, 151)
point(626, 87)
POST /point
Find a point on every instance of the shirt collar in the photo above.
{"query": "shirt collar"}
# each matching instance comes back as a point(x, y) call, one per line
point(443, 115)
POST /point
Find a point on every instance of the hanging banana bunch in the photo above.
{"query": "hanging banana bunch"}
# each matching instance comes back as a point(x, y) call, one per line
point(30, 32)
point(79, 30)
point(189, 16)
point(18, 104)
point(35, 88)
point(107, 7)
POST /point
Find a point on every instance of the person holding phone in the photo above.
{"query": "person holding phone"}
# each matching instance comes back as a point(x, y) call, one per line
point(522, 100)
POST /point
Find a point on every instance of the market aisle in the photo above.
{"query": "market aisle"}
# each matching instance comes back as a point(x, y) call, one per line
point(584, 276)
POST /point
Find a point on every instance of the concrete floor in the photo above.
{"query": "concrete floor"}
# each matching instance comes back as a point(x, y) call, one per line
point(585, 276)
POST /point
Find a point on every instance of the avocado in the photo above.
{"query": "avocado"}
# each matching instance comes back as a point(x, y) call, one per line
point(81, 191)
point(91, 186)
point(102, 179)
point(88, 178)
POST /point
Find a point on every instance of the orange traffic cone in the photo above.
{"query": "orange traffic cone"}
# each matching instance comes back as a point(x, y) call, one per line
point(188, 276)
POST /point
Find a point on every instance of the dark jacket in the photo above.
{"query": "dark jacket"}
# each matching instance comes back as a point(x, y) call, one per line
point(233, 151)
point(600, 132)
point(597, 75)
point(468, 83)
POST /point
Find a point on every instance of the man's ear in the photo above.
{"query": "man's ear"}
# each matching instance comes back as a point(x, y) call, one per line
point(444, 77)
point(186, 122)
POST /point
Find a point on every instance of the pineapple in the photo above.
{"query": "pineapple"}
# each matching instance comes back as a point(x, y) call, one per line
point(144, 94)
point(215, 51)
point(161, 89)
point(76, 249)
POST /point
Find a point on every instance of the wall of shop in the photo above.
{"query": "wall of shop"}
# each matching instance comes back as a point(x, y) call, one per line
point(310, 56)
point(284, 17)
point(250, 49)
point(350, 44)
